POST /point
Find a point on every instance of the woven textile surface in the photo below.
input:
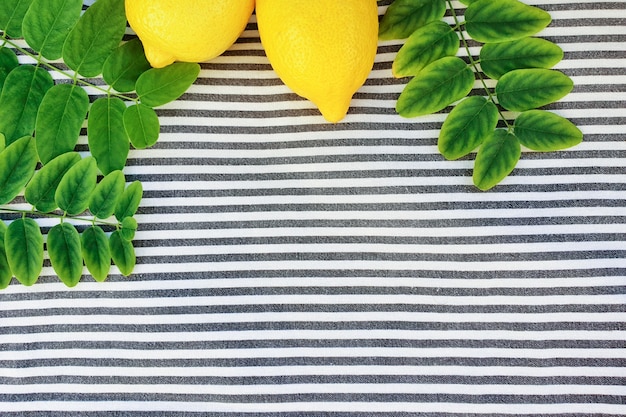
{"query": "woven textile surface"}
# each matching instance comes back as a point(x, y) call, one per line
point(290, 267)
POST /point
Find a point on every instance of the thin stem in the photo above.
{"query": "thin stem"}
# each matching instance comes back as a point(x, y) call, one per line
point(55, 215)
point(474, 63)
point(40, 61)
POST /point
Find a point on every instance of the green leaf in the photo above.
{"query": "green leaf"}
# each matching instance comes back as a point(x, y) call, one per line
point(541, 130)
point(123, 253)
point(124, 66)
point(96, 252)
point(435, 87)
point(64, 250)
point(47, 24)
point(42, 187)
point(96, 35)
point(11, 16)
point(60, 118)
point(23, 91)
point(5, 270)
point(159, 86)
point(104, 198)
point(403, 17)
point(496, 59)
point(496, 159)
point(503, 20)
point(467, 125)
point(72, 194)
point(24, 249)
point(8, 62)
point(129, 202)
point(108, 141)
point(427, 44)
point(129, 228)
point(142, 125)
point(526, 89)
point(17, 165)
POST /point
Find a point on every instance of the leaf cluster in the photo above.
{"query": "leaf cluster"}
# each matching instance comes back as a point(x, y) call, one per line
point(47, 101)
point(66, 186)
point(503, 119)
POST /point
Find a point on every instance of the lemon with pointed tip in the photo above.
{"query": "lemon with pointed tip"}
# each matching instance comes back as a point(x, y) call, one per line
point(187, 30)
point(323, 50)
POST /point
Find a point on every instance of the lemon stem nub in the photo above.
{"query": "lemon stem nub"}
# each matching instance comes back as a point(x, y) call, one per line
point(157, 58)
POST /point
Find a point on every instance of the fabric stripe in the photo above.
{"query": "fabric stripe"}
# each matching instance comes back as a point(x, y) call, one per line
point(289, 267)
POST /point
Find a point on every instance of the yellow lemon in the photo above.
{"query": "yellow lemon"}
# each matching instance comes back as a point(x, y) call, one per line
point(187, 30)
point(323, 50)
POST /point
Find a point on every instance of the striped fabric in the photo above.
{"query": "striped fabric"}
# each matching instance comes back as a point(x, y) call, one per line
point(290, 267)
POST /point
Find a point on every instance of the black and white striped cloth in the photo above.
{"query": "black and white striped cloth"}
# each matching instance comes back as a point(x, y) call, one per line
point(290, 267)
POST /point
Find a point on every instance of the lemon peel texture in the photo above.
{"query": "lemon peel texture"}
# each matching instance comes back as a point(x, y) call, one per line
point(187, 30)
point(323, 50)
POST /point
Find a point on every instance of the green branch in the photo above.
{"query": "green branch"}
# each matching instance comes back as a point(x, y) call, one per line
point(474, 63)
point(58, 215)
point(40, 61)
